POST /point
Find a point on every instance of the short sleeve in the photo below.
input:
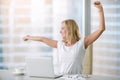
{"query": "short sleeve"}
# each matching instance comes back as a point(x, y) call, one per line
point(82, 42)
point(59, 44)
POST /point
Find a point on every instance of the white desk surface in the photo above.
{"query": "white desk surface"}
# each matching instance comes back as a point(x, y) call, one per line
point(7, 75)
point(92, 78)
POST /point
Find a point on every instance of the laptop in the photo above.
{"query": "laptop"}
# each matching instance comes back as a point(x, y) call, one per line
point(41, 67)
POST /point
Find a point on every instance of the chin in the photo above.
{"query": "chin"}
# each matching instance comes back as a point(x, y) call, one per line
point(63, 38)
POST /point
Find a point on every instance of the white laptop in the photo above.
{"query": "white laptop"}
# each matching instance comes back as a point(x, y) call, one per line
point(40, 67)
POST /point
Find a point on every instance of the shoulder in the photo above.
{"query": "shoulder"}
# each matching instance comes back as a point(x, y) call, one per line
point(60, 43)
point(81, 42)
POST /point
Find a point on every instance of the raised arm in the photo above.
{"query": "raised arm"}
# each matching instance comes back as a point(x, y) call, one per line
point(50, 42)
point(95, 35)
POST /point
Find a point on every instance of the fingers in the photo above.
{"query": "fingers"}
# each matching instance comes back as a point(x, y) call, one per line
point(25, 38)
point(97, 3)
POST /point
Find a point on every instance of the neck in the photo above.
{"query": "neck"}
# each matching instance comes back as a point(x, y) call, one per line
point(70, 43)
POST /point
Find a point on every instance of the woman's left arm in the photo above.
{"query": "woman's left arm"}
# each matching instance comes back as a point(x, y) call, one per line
point(95, 35)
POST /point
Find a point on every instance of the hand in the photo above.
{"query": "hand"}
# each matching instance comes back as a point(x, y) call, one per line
point(98, 5)
point(26, 38)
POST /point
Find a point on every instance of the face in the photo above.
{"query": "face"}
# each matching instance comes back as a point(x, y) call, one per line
point(63, 31)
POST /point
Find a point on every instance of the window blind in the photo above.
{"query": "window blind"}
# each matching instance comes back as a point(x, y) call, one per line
point(32, 17)
point(106, 50)
point(17, 19)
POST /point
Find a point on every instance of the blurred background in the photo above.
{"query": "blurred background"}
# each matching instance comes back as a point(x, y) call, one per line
point(19, 18)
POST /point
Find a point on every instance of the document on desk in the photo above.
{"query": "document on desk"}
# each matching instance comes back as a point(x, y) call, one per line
point(76, 77)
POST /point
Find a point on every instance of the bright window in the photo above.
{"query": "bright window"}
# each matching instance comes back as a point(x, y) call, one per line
point(32, 17)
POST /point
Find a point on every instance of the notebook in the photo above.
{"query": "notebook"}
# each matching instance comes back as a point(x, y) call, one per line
point(41, 67)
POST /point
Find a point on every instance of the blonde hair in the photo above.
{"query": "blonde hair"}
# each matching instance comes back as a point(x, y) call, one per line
point(72, 30)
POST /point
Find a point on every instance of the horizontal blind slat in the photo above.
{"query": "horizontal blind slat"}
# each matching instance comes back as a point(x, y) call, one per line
point(106, 50)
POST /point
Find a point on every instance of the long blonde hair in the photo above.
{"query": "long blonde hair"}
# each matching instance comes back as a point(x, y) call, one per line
point(72, 30)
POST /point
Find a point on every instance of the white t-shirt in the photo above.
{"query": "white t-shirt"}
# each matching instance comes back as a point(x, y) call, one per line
point(71, 58)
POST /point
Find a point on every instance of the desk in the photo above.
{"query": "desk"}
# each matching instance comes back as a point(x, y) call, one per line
point(7, 75)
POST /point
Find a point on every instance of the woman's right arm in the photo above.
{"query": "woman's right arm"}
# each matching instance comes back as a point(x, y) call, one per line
point(49, 42)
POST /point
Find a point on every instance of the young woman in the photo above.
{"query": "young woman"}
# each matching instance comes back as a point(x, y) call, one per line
point(71, 49)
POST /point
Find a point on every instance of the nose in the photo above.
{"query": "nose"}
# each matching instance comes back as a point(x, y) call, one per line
point(60, 31)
